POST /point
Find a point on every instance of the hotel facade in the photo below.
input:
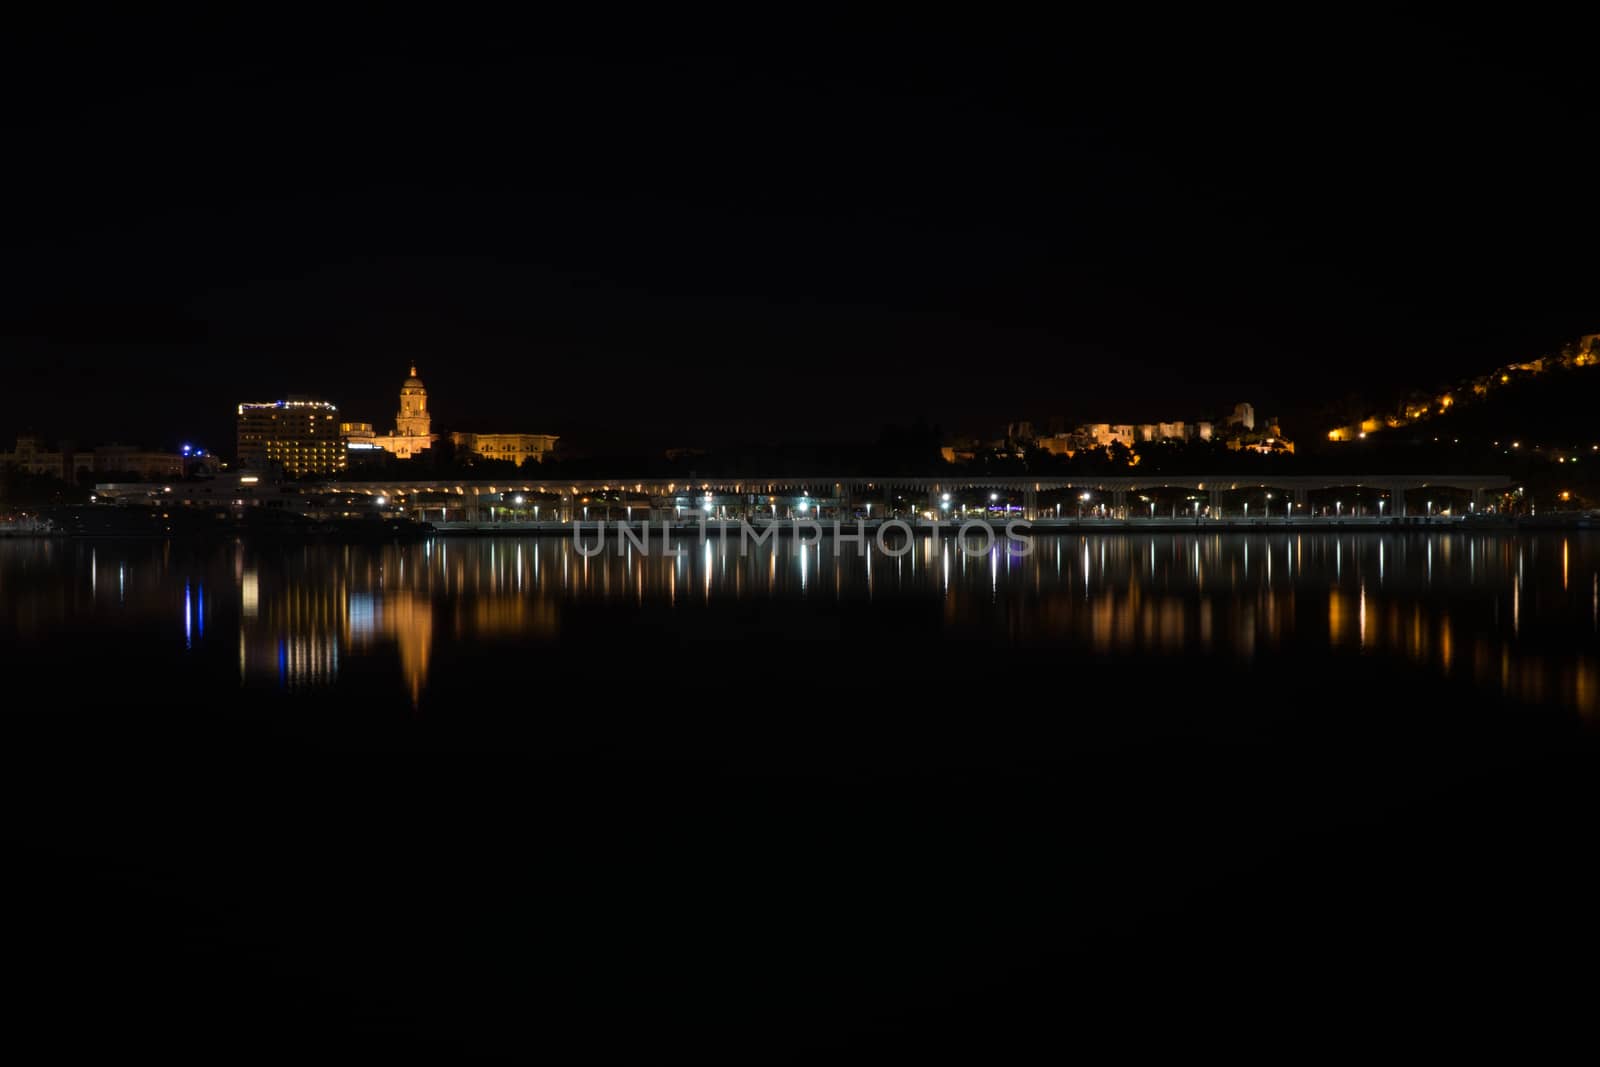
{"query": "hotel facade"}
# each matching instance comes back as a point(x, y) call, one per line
point(297, 435)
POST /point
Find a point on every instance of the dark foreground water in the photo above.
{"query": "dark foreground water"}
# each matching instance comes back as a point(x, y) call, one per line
point(491, 796)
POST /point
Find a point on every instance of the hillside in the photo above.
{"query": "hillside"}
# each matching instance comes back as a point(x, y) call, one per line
point(1549, 403)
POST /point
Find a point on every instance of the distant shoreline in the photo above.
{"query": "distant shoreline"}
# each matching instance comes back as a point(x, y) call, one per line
point(824, 529)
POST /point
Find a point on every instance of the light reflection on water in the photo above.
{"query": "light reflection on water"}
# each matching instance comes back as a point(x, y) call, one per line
point(1516, 614)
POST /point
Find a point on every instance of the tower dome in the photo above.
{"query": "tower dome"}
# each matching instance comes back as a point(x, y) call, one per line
point(413, 420)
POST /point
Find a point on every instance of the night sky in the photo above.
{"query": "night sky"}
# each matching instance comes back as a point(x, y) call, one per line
point(662, 234)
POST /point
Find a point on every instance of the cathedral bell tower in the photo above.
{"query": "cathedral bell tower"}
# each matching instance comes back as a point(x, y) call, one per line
point(413, 418)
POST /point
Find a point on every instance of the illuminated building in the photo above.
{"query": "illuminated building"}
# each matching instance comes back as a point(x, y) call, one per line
point(1092, 436)
point(363, 453)
point(514, 447)
point(1060, 444)
point(361, 444)
point(299, 436)
point(32, 457)
point(125, 459)
point(411, 424)
point(1104, 434)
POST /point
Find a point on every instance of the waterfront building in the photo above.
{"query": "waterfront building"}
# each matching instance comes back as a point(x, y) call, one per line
point(298, 436)
point(126, 459)
point(32, 457)
point(516, 448)
point(359, 453)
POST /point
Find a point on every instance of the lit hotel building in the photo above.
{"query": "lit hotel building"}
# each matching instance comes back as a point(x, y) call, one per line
point(300, 436)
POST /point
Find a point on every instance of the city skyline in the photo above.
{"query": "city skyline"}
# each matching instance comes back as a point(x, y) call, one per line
point(601, 536)
point(571, 231)
point(1197, 421)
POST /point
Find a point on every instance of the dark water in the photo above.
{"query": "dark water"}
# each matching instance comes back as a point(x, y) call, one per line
point(492, 796)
